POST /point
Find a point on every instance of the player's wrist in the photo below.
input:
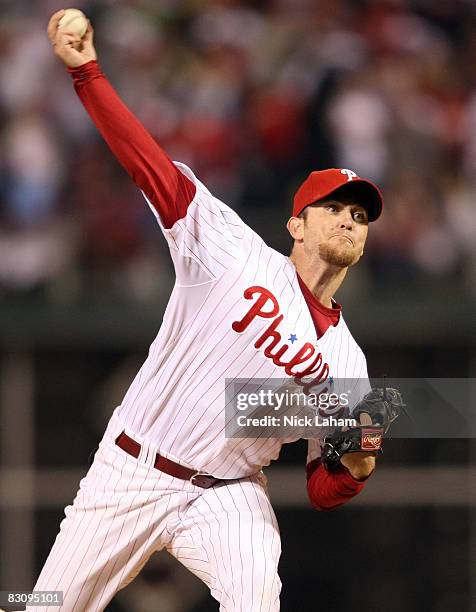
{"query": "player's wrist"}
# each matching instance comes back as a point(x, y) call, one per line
point(362, 470)
point(77, 67)
point(84, 66)
point(85, 72)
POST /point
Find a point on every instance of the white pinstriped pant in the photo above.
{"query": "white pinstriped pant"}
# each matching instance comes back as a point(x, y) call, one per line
point(125, 510)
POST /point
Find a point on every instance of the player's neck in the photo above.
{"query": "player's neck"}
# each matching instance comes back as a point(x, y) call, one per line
point(322, 279)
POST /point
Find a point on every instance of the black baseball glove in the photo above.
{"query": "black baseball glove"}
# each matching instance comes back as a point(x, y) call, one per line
point(383, 406)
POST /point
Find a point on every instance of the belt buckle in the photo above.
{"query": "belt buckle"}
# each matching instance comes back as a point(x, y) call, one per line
point(203, 483)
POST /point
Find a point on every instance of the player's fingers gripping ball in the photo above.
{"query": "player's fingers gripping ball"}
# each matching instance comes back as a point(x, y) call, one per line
point(74, 22)
point(383, 407)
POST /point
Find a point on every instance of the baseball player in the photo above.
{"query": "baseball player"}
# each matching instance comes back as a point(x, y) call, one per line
point(165, 475)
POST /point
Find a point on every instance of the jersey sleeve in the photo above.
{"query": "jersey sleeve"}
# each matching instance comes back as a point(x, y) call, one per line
point(209, 240)
point(313, 450)
point(204, 235)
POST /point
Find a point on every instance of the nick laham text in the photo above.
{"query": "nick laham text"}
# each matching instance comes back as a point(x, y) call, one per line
point(294, 421)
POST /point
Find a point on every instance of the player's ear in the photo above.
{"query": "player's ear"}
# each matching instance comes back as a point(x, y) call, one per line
point(295, 227)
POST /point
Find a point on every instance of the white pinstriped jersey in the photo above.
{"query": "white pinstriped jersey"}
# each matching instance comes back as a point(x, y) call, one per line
point(235, 304)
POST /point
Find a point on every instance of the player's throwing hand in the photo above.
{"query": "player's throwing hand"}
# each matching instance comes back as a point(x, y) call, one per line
point(73, 50)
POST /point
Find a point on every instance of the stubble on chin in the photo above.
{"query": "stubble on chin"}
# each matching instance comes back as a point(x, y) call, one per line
point(335, 256)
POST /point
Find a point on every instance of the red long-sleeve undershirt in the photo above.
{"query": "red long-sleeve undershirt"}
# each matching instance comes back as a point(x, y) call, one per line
point(171, 192)
point(329, 490)
point(168, 189)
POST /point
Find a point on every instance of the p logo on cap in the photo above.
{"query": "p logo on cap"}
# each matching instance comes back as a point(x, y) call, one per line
point(350, 173)
point(322, 183)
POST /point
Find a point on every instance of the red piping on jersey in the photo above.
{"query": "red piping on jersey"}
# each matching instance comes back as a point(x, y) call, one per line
point(168, 190)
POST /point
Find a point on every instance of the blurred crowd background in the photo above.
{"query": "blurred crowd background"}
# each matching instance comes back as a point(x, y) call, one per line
point(252, 95)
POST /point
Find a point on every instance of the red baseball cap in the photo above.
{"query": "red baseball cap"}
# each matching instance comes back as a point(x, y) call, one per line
point(322, 183)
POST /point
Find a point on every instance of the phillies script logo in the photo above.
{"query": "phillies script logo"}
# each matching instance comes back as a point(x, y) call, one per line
point(265, 306)
point(371, 439)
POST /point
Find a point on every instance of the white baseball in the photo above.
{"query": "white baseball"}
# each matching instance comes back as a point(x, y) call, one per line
point(73, 21)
